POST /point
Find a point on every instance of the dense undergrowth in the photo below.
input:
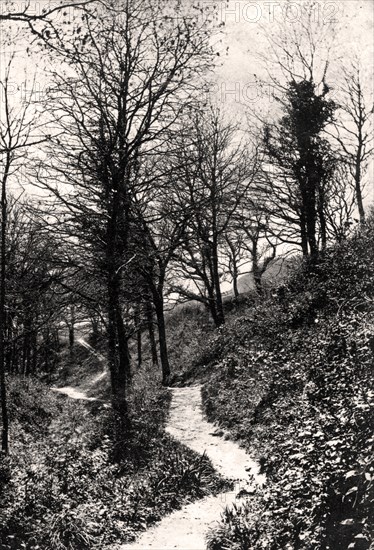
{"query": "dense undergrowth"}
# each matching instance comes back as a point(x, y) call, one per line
point(292, 379)
point(70, 484)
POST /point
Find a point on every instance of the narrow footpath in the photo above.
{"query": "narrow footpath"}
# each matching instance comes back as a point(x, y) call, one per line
point(186, 529)
point(76, 393)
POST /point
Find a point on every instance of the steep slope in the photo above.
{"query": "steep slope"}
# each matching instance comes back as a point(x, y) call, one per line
point(292, 379)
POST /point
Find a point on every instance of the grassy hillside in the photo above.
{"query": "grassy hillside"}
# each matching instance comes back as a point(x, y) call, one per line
point(289, 376)
point(292, 379)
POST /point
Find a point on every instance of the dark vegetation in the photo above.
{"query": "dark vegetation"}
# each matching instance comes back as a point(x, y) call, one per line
point(143, 191)
point(71, 483)
point(292, 380)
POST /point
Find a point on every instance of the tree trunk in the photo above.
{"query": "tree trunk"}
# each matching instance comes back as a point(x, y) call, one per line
point(151, 332)
point(118, 355)
point(257, 277)
point(235, 275)
point(118, 351)
point(360, 205)
point(138, 336)
point(71, 337)
point(95, 330)
point(304, 240)
point(27, 351)
point(159, 308)
point(257, 272)
point(3, 392)
point(235, 286)
point(217, 287)
point(34, 344)
point(71, 328)
point(212, 305)
point(310, 207)
point(321, 216)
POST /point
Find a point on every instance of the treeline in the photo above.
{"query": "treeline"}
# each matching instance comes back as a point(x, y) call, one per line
point(148, 191)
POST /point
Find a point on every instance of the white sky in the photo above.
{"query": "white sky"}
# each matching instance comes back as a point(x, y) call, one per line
point(243, 33)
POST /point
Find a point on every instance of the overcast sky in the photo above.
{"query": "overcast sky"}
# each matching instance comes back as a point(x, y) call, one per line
point(244, 26)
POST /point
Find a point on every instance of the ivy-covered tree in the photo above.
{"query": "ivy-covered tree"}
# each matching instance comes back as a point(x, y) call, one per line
point(301, 163)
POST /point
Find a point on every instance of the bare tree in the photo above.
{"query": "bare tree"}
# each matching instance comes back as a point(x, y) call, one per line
point(34, 298)
point(217, 169)
point(340, 205)
point(160, 231)
point(18, 133)
point(130, 66)
point(234, 257)
point(25, 12)
point(251, 243)
point(260, 242)
point(298, 51)
point(354, 129)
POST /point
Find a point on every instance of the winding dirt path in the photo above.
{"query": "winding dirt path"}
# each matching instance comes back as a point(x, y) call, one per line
point(76, 393)
point(186, 529)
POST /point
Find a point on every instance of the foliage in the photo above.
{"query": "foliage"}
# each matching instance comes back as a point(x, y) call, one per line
point(65, 484)
point(187, 329)
point(293, 381)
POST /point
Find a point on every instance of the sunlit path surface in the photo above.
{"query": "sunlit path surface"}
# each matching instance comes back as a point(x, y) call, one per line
point(76, 393)
point(186, 529)
point(73, 393)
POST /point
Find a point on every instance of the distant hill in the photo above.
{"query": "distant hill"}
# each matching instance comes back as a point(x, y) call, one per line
point(276, 273)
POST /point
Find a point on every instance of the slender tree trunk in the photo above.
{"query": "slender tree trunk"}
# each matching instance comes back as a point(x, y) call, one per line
point(3, 392)
point(139, 346)
point(160, 314)
point(357, 176)
point(235, 275)
point(116, 249)
point(34, 343)
point(304, 240)
point(217, 287)
point(71, 328)
point(24, 352)
point(151, 332)
point(321, 216)
point(95, 330)
point(310, 208)
point(138, 336)
point(46, 350)
point(118, 354)
point(235, 286)
point(27, 351)
point(71, 337)
point(209, 286)
point(257, 277)
point(257, 272)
